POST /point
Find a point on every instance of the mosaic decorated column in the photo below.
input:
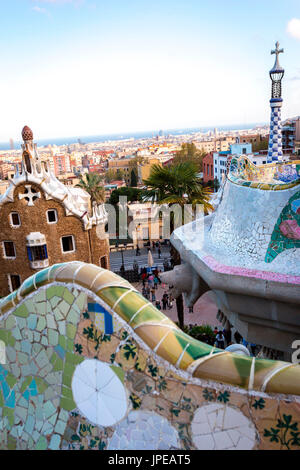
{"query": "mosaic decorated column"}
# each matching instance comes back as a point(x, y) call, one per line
point(275, 141)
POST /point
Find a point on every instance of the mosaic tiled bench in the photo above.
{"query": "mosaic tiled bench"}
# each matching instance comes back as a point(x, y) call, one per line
point(88, 363)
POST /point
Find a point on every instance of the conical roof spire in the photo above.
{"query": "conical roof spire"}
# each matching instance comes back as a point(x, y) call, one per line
point(27, 134)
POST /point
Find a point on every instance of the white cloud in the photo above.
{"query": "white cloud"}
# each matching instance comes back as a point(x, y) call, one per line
point(293, 28)
point(61, 2)
point(40, 10)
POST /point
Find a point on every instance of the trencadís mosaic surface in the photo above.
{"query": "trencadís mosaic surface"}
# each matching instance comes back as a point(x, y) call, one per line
point(88, 363)
point(274, 176)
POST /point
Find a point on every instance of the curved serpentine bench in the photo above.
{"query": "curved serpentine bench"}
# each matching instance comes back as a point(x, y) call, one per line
point(158, 332)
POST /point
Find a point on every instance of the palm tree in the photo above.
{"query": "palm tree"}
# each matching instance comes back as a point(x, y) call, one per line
point(178, 184)
point(92, 184)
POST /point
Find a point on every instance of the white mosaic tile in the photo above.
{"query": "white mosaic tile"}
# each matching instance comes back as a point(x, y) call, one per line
point(143, 430)
point(220, 427)
point(99, 393)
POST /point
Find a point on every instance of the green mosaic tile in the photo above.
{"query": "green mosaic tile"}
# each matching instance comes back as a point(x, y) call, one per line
point(71, 331)
point(60, 427)
point(64, 416)
point(62, 341)
point(41, 324)
point(44, 341)
point(53, 337)
point(67, 404)
point(62, 327)
point(73, 359)
point(30, 305)
point(42, 359)
point(52, 420)
point(41, 308)
point(42, 443)
point(58, 315)
point(55, 442)
point(81, 301)
point(59, 365)
point(73, 317)
point(48, 409)
point(55, 291)
point(11, 354)
point(23, 358)
point(67, 392)
point(9, 413)
point(11, 380)
point(64, 308)
point(54, 301)
point(25, 384)
point(10, 322)
point(50, 321)
point(29, 425)
point(68, 296)
point(21, 311)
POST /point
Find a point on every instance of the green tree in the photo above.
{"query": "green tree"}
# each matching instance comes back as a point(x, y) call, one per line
point(133, 178)
point(261, 145)
point(178, 184)
point(92, 184)
point(132, 194)
point(112, 175)
point(190, 153)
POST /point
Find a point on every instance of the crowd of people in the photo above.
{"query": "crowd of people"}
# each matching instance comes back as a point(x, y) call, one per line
point(150, 288)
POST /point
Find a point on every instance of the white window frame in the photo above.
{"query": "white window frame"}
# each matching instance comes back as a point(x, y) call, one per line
point(62, 247)
point(56, 216)
point(11, 219)
point(4, 253)
point(10, 283)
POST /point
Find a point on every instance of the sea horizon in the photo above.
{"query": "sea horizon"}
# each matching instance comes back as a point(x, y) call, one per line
point(60, 141)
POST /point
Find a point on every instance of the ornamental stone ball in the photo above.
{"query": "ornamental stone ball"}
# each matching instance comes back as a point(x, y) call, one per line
point(27, 133)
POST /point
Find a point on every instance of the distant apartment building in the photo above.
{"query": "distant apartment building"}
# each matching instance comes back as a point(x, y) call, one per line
point(122, 164)
point(291, 135)
point(61, 164)
point(215, 145)
point(5, 168)
point(208, 168)
point(144, 169)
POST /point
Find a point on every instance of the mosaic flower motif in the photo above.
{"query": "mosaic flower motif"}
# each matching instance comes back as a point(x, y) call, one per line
point(144, 430)
point(220, 427)
point(98, 392)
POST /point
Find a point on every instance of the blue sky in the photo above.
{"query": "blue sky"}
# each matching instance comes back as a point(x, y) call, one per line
point(87, 67)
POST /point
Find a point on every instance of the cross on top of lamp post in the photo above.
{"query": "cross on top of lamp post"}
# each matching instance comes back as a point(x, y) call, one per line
point(277, 51)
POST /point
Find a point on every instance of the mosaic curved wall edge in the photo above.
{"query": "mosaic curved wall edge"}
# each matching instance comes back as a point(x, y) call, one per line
point(87, 357)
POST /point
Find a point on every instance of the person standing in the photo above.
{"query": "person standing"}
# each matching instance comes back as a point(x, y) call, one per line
point(165, 300)
point(220, 340)
point(153, 294)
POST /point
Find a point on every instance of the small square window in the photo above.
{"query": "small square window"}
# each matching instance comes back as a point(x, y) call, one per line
point(15, 219)
point(68, 244)
point(14, 282)
point(52, 216)
point(9, 249)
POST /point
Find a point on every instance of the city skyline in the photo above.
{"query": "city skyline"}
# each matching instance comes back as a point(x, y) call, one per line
point(88, 68)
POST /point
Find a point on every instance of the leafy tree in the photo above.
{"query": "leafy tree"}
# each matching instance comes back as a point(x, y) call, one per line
point(190, 153)
point(132, 194)
point(92, 184)
point(178, 184)
point(112, 175)
point(261, 145)
point(133, 179)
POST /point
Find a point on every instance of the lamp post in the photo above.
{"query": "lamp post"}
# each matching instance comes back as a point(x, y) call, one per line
point(122, 265)
point(275, 141)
